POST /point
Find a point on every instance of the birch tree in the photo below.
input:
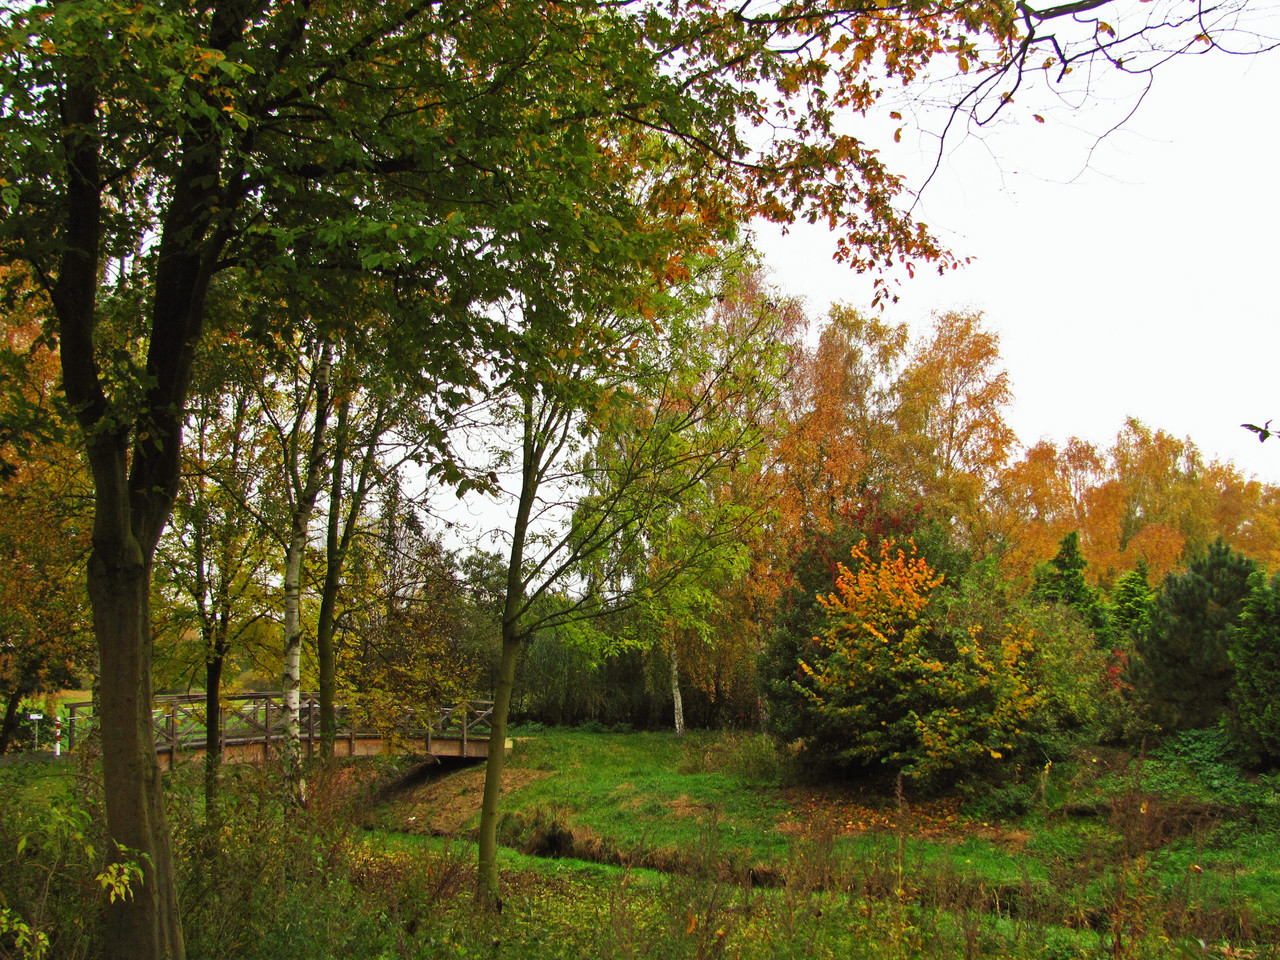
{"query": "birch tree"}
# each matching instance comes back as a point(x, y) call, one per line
point(609, 452)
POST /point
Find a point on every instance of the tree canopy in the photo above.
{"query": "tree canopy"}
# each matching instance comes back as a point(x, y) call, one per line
point(440, 159)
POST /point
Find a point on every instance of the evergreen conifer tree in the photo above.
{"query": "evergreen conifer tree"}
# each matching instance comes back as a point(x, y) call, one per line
point(1254, 649)
point(1184, 671)
point(1062, 581)
point(1130, 608)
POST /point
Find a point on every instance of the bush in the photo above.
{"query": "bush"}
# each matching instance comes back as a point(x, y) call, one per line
point(53, 862)
point(886, 686)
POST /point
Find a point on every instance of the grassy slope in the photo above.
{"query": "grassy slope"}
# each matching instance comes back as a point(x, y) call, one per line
point(1131, 852)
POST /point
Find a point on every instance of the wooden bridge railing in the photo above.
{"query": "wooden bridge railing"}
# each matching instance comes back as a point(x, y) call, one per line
point(259, 718)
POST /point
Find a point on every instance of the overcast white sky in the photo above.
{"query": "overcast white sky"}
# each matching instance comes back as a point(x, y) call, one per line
point(1145, 287)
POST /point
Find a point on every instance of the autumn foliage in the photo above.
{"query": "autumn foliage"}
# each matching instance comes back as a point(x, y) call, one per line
point(885, 686)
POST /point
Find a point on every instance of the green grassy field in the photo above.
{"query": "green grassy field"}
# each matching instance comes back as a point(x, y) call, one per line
point(642, 845)
point(1106, 855)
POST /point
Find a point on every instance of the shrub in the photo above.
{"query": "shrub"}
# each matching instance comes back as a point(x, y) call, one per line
point(54, 863)
point(1077, 695)
point(884, 685)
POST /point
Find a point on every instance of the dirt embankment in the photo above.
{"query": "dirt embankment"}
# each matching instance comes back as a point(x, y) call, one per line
point(446, 805)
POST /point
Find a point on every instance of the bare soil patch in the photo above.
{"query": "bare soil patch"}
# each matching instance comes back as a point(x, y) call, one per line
point(444, 807)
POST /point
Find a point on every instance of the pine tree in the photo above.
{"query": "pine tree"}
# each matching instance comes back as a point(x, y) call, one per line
point(1254, 649)
point(1062, 581)
point(1130, 608)
point(1184, 671)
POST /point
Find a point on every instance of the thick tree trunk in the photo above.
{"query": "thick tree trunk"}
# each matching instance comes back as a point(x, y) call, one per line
point(146, 923)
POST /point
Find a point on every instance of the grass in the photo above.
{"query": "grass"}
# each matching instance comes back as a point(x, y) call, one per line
point(1098, 852)
point(674, 849)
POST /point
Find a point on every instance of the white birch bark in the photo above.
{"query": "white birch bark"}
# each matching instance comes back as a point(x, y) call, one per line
point(306, 490)
point(676, 699)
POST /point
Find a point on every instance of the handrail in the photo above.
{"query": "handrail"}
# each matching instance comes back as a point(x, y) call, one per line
point(178, 721)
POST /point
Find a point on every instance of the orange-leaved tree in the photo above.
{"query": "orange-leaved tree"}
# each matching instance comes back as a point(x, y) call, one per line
point(885, 686)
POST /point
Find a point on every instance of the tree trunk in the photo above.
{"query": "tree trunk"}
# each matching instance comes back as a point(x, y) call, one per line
point(212, 729)
point(306, 493)
point(676, 699)
point(291, 676)
point(10, 724)
point(488, 891)
point(146, 923)
point(334, 555)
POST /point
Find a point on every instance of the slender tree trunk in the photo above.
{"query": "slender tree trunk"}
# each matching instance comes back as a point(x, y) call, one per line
point(291, 676)
point(334, 555)
point(213, 728)
point(304, 506)
point(341, 528)
point(676, 699)
point(488, 890)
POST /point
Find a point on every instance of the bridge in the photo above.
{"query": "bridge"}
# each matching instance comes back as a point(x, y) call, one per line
point(253, 728)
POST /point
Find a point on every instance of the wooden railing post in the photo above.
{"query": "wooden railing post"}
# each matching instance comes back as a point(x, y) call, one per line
point(265, 705)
